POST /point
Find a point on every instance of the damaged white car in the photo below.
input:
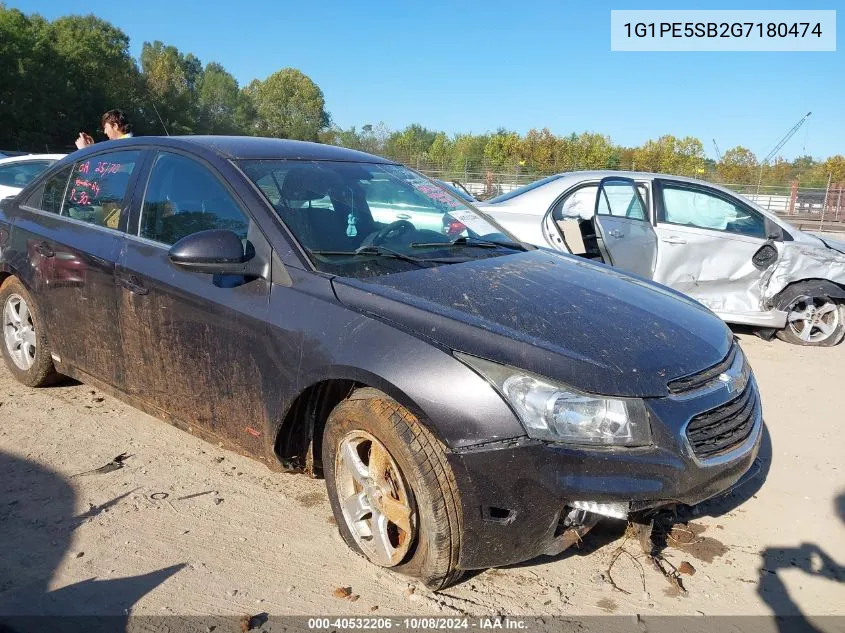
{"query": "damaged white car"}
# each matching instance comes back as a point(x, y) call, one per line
point(746, 264)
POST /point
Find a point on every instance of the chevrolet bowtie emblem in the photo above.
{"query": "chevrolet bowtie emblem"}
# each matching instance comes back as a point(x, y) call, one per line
point(730, 381)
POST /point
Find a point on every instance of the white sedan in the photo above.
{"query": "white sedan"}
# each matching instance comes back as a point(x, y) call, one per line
point(746, 264)
point(17, 171)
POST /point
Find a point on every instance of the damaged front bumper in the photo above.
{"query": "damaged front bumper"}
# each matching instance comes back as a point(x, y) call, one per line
point(525, 498)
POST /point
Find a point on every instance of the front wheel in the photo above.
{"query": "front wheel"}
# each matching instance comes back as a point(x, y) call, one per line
point(815, 321)
point(25, 347)
point(392, 492)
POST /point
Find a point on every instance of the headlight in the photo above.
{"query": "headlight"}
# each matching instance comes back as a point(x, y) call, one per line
point(553, 411)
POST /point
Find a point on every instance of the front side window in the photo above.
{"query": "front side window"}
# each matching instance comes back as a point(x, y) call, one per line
point(21, 174)
point(185, 197)
point(704, 210)
point(98, 186)
point(334, 209)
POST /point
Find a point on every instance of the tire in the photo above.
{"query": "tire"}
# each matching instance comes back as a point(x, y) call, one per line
point(814, 321)
point(27, 358)
point(419, 481)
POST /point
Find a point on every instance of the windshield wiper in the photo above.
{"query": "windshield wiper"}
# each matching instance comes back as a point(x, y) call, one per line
point(480, 242)
point(382, 251)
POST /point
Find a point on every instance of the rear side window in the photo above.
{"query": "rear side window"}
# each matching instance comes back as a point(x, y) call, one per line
point(49, 197)
point(184, 197)
point(98, 186)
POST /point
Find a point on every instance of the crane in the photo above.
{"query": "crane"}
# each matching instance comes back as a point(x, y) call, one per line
point(780, 144)
point(718, 153)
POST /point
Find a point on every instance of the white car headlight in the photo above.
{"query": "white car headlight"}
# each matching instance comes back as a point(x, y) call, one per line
point(553, 411)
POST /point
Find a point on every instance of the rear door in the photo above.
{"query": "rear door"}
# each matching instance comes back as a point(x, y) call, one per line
point(623, 227)
point(73, 229)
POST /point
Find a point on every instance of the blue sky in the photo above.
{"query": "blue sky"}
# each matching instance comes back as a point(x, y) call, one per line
point(465, 66)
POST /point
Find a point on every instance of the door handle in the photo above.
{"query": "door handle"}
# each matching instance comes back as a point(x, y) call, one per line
point(133, 285)
point(674, 240)
point(615, 233)
point(403, 216)
point(43, 249)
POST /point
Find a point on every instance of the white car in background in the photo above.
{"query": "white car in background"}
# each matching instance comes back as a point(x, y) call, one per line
point(746, 264)
point(17, 171)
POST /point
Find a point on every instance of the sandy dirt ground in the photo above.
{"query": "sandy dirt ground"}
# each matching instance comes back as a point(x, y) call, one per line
point(190, 529)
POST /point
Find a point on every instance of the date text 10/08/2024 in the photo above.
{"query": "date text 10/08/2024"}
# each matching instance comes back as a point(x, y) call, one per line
point(417, 623)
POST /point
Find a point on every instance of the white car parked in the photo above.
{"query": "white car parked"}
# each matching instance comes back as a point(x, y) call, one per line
point(17, 171)
point(746, 264)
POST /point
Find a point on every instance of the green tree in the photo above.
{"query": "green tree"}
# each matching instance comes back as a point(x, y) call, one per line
point(171, 79)
point(288, 104)
point(218, 96)
point(738, 166)
point(502, 150)
point(27, 104)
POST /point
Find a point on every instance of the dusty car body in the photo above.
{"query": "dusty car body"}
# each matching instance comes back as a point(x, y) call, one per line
point(746, 264)
point(471, 402)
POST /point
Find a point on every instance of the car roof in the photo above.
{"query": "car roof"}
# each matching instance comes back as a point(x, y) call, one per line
point(244, 147)
point(564, 180)
point(28, 157)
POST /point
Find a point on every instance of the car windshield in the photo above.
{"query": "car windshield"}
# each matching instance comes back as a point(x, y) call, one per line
point(365, 219)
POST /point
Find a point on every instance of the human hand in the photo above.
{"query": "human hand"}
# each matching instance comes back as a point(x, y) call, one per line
point(84, 140)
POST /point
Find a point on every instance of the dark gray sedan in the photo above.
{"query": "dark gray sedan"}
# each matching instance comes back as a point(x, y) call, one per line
point(470, 400)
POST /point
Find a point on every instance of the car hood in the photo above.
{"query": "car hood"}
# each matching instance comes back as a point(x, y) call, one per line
point(588, 325)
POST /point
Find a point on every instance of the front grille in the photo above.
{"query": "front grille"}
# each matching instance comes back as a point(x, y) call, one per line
point(696, 381)
point(725, 427)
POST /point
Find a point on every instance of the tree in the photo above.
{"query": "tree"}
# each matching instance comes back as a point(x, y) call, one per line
point(26, 105)
point(171, 81)
point(738, 166)
point(218, 98)
point(288, 104)
point(671, 155)
point(409, 144)
point(502, 149)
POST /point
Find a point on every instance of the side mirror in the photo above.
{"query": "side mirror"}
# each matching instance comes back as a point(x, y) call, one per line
point(216, 252)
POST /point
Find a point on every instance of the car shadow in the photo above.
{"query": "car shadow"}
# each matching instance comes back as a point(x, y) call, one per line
point(38, 519)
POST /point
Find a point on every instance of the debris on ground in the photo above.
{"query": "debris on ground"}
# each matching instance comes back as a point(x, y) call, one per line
point(669, 572)
point(251, 622)
point(196, 494)
point(342, 592)
point(115, 464)
point(159, 496)
point(686, 568)
point(80, 554)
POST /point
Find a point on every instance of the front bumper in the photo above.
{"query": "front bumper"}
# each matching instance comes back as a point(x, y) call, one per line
point(514, 494)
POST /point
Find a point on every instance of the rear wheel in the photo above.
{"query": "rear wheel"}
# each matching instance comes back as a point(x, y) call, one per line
point(815, 321)
point(392, 492)
point(24, 344)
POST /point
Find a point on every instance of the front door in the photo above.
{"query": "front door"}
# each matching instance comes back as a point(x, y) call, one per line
point(196, 344)
point(713, 247)
point(623, 227)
